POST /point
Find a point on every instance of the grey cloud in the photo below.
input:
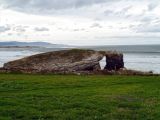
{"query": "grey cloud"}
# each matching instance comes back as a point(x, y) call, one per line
point(108, 12)
point(146, 19)
point(152, 28)
point(122, 28)
point(39, 6)
point(133, 26)
point(20, 28)
point(152, 6)
point(96, 25)
point(4, 29)
point(120, 13)
point(124, 10)
point(76, 30)
point(41, 29)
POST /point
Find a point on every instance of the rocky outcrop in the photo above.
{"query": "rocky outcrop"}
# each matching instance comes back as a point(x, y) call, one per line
point(114, 61)
point(57, 62)
point(66, 61)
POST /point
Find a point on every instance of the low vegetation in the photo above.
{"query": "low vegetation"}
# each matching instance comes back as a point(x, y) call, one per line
point(69, 97)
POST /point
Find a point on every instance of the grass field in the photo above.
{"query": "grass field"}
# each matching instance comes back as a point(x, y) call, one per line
point(68, 97)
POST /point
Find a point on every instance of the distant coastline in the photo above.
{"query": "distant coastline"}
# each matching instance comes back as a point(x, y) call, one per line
point(20, 47)
point(14, 44)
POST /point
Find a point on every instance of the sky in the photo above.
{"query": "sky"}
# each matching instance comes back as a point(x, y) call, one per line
point(81, 22)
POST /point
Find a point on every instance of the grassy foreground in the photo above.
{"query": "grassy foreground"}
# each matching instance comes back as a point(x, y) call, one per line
point(58, 97)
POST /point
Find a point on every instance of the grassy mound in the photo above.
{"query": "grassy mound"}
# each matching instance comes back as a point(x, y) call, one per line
point(48, 97)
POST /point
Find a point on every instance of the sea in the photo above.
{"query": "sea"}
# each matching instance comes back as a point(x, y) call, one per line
point(136, 57)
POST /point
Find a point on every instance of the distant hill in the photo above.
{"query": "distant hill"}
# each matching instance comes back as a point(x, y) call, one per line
point(30, 44)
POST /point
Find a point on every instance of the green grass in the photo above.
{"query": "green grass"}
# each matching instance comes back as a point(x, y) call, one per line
point(68, 97)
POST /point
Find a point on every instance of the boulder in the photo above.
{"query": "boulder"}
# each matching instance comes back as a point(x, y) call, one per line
point(114, 61)
point(57, 62)
point(66, 61)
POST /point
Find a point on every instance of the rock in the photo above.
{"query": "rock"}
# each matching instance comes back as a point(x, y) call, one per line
point(75, 61)
point(114, 61)
point(2, 70)
point(65, 61)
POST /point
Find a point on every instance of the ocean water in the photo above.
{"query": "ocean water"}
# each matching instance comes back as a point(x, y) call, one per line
point(6, 56)
point(144, 59)
point(140, 61)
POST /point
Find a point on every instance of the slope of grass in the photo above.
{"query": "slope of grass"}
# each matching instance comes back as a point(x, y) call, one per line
point(58, 97)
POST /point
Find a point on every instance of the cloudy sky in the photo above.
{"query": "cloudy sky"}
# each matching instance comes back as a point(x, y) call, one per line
point(81, 22)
